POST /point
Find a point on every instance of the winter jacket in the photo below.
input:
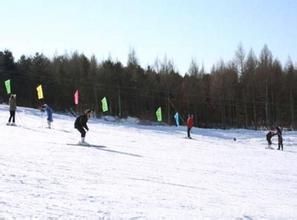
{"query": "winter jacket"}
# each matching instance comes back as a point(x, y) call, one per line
point(49, 112)
point(12, 104)
point(81, 122)
point(279, 130)
point(279, 135)
point(269, 135)
point(190, 122)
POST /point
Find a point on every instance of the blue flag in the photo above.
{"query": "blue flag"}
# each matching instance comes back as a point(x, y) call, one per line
point(176, 117)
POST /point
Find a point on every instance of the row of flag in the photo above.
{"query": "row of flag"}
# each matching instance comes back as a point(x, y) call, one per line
point(40, 95)
point(38, 88)
point(159, 116)
point(104, 102)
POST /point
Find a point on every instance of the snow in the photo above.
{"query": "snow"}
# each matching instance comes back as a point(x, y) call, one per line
point(141, 172)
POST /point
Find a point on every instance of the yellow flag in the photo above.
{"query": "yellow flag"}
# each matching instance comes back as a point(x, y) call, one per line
point(39, 92)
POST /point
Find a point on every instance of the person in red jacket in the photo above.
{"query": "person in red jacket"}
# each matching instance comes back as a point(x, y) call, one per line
point(190, 122)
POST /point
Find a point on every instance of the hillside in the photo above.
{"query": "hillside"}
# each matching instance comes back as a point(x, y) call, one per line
point(141, 172)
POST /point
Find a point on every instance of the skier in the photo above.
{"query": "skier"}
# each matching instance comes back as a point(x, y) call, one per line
point(269, 135)
point(81, 124)
point(12, 109)
point(190, 122)
point(280, 138)
point(49, 112)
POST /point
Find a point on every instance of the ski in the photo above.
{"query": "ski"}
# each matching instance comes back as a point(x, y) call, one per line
point(11, 124)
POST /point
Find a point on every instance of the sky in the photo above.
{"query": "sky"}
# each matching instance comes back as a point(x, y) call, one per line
point(180, 30)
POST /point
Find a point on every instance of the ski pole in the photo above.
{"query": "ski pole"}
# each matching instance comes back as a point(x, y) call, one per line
point(41, 115)
point(20, 118)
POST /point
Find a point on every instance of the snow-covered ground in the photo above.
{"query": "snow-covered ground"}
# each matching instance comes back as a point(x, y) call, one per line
point(142, 172)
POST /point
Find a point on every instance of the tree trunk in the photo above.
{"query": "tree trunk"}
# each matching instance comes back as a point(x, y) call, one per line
point(292, 110)
point(266, 105)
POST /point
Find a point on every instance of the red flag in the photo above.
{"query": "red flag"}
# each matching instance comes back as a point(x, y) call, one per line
point(76, 97)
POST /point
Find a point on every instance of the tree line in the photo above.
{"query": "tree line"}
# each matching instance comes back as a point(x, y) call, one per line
point(249, 91)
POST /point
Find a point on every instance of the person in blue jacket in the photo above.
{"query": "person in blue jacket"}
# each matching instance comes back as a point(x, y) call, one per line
point(49, 112)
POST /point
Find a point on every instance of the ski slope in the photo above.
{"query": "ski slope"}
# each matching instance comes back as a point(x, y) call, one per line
point(141, 172)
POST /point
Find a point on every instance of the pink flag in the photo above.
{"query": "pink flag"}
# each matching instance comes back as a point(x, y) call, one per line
point(76, 96)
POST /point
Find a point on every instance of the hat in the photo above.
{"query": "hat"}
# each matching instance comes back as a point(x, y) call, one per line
point(87, 111)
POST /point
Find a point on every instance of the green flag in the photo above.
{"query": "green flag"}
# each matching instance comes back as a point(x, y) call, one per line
point(7, 85)
point(104, 104)
point(159, 114)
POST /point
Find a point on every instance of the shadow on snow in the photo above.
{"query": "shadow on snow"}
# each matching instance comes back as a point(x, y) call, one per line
point(103, 148)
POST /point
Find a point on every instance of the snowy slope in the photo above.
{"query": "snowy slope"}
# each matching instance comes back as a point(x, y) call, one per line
point(142, 172)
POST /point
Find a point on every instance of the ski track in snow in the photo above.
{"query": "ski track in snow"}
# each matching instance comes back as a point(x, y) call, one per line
point(142, 172)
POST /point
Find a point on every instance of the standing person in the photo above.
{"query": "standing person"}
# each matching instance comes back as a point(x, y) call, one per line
point(81, 124)
point(49, 112)
point(269, 135)
point(12, 109)
point(190, 122)
point(280, 138)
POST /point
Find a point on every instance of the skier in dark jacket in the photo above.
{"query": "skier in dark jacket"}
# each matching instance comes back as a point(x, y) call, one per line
point(81, 124)
point(12, 109)
point(280, 138)
point(269, 135)
point(190, 122)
